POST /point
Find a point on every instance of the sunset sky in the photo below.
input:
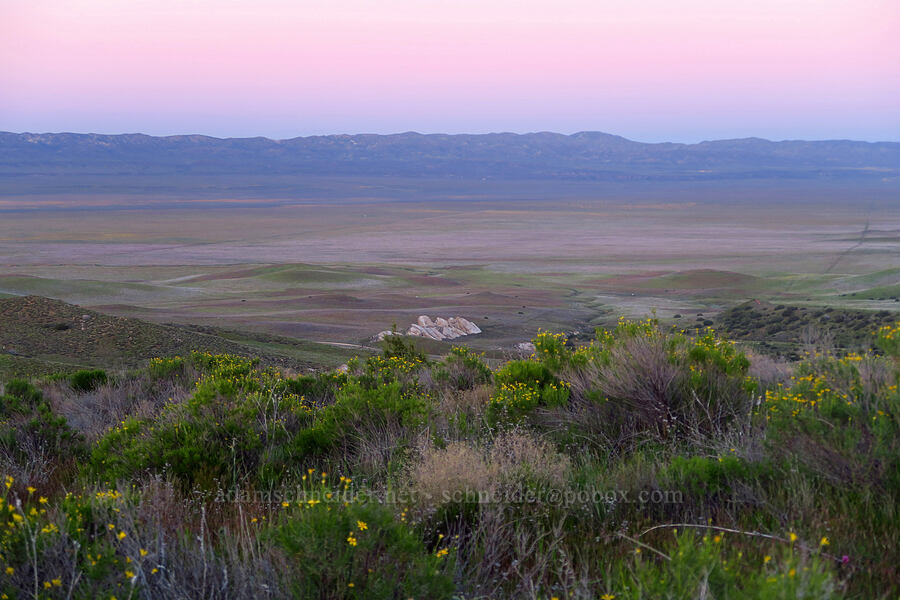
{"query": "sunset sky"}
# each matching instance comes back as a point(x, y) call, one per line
point(651, 70)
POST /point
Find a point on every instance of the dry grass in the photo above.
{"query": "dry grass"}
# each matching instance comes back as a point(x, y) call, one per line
point(460, 412)
point(466, 470)
point(768, 370)
point(454, 471)
point(641, 394)
point(374, 448)
point(93, 413)
point(170, 549)
point(512, 557)
point(31, 461)
point(638, 385)
point(816, 340)
point(876, 374)
point(519, 455)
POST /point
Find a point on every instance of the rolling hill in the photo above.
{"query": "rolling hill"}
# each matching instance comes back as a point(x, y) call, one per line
point(39, 334)
point(580, 156)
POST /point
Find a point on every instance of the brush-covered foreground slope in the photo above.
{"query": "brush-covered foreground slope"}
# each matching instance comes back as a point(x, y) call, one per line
point(43, 335)
point(646, 464)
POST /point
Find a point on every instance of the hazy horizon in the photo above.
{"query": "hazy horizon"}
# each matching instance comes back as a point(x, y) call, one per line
point(453, 133)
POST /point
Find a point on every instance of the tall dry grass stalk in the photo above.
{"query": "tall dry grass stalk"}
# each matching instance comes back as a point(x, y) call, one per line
point(462, 469)
point(93, 413)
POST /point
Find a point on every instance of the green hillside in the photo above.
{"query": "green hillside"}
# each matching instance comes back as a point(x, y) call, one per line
point(40, 335)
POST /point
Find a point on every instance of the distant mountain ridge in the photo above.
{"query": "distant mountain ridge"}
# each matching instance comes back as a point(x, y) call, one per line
point(580, 156)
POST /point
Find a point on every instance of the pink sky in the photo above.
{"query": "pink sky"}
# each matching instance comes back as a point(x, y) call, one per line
point(681, 70)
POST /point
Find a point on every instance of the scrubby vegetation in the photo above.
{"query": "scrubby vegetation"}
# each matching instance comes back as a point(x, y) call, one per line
point(50, 337)
point(790, 330)
point(648, 463)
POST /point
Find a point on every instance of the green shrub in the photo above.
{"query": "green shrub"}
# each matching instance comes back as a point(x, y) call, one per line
point(319, 389)
point(20, 397)
point(24, 391)
point(522, 386)
point(712, 481)
point(244, 425)
point(462, 369)
point(122, 452)
point(358, 550)
point(53, 433)
point(551, 351)
point(381, 370)
point(401, 346)
point(888, 340)
point(87, 380)
point(165, 368)
point(28, 533)
point(840, 418)
point(528, 372)
point(30, 432)
point(357, 409)
point(638, 381)
point(239, 424)
point(707, 567)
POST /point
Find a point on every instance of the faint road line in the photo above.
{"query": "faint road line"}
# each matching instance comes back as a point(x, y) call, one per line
point(859, 242)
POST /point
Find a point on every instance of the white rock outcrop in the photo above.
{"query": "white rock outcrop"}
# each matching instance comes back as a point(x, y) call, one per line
point(438, 329)
point(525, 348)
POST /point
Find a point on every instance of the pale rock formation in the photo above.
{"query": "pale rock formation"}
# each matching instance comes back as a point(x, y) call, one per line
point(464, 325)
point(438, 329)
point(525, 348)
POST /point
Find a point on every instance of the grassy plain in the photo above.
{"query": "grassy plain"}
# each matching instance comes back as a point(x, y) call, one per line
point(337, 262)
